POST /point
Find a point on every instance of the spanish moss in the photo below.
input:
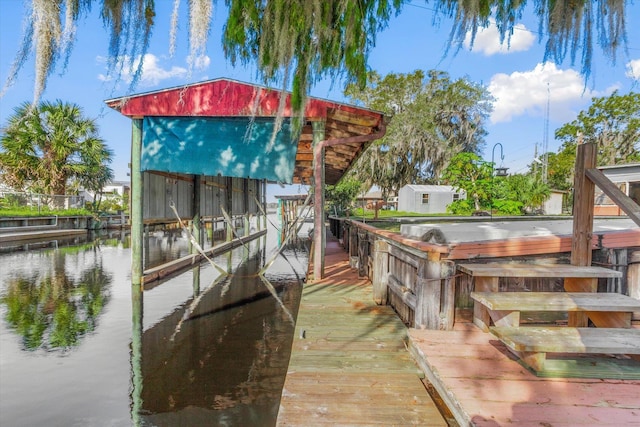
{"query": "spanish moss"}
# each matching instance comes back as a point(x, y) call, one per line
point(307, 40)
point(570, 27)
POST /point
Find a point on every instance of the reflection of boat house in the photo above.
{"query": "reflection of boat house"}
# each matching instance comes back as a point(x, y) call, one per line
point(627, 179)
point(209, 148)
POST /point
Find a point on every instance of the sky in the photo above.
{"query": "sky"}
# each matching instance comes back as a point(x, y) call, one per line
point(515, 75)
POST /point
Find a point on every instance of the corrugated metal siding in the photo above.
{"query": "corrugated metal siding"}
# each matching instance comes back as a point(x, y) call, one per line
point(160, 190)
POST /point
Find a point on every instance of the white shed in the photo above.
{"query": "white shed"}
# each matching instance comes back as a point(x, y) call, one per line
point(553, 205)
point(431, 199)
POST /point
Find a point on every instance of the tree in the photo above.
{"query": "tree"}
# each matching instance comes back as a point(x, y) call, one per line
point(560, 168)
point(469, 173)
point(44, 147)
point(341, 196)
point(526, 192)
point(298, 42)
point(434, 118)
point(611, 122)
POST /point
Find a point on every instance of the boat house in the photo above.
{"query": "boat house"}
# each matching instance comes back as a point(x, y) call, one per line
point(207, 150)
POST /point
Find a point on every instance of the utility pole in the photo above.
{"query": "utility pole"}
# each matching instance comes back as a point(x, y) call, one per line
point(545, 138)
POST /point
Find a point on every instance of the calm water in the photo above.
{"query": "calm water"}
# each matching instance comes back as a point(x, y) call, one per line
point(208, 350)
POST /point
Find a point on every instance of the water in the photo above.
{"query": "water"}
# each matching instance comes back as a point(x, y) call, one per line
point(78, 349)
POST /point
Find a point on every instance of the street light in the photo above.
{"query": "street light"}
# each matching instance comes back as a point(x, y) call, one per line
point(501, 171)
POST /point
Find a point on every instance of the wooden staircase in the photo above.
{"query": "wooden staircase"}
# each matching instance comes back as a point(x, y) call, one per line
point(500, 313)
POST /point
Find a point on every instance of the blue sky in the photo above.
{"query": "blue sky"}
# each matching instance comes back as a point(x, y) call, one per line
point(516, 76)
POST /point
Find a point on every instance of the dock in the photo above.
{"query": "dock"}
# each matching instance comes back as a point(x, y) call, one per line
point(354, 362)
point(349, 362)
point(483, 384)
point(18, 236)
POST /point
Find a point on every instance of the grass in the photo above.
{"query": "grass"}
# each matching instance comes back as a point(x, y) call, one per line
point(383, 214)
point(27, 212)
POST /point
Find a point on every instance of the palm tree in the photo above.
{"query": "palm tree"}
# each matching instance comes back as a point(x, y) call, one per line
point(43, 147)
point(530, 190)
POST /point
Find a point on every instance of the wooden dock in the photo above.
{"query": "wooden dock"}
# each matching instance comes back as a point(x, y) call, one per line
point(483, 385)
point(349, 363)
point(17, 236)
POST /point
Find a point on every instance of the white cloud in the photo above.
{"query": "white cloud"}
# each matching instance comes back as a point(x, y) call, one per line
point(526, 92)
point(200, 62)
point(152, 71)
point(487, 40)
point(633, 69)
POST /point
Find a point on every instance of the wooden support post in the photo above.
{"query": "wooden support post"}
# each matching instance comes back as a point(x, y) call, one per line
point(583, 204)
point(195, 271)
point(633, 278)
point(380, 276)
point(245, 189)
point(363, 253)
point(136, 351)
point(481, 317)
point(195, 209)
point(346, 237)
point(137, 225)
point(263, 194)
point(428, 293)
point(137, 267)
point(228, 202)
point(353, 246)
point(448, 309)
point(319, 236)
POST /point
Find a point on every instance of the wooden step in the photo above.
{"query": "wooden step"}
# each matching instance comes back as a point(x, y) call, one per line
point(556, 301)
point(532, 344)
point(504, 308)
point(560, 339)
point(575, 279)
point(537, 270)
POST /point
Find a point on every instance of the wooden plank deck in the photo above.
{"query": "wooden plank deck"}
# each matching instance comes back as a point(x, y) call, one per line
point(483, 385)
point(349, 364)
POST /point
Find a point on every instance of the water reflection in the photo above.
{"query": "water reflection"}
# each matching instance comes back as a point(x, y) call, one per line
point(198, 353)
point(221, 357)
point(52, 308)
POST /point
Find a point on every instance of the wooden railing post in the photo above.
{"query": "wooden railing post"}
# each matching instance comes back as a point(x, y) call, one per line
point(583, 204)
point(380, 275)
point(353, 246)
point(633, 277)
point(448, 311)
point(428, 290)
point(363, 253)
point(435, 303)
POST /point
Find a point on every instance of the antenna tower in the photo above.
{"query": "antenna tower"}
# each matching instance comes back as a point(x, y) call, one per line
point(545, 139)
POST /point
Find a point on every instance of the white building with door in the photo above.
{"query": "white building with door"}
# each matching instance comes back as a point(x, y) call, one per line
point(428, 199)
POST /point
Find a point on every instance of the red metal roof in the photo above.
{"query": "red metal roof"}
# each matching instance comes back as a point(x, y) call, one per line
point(223, 97)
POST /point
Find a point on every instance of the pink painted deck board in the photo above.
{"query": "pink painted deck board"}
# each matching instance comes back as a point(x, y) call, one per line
point(490, 388)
